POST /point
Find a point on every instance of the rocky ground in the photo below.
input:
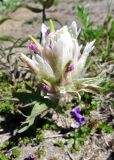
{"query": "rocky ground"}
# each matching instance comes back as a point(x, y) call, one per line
point(64, 12)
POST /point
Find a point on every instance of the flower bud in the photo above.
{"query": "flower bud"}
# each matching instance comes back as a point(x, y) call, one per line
point(33, 47)
point(70, 67)
point(45, 87)
point(47, 32)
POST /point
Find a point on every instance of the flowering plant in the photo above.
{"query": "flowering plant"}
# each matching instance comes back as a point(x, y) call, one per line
point(59, 63)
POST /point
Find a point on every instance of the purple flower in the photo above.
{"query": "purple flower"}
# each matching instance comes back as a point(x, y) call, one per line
point(33, 47)
point(32, 157)
point(70, 67)
point(45, 87)
point(80, 120)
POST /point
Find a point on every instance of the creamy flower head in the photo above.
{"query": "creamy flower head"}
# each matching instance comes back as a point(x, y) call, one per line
point(59, 59)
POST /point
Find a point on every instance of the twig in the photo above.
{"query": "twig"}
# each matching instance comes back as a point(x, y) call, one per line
point(21, 113)
point(106, 142)
point(9, 99)
point(111, 110)
point(55, 136)
point(89, 158)
point(29, 104)
point(71, 157)
point(26, 105)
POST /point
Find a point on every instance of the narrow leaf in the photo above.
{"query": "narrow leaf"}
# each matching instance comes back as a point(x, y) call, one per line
point(35, 41)
point(37, 110)
point(52, 28)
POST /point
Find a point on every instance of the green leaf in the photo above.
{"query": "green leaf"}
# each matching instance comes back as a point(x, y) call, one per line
point(106, 127)
point(37, 110)
point(3, 156)
point(82, 13)
point(91, 89)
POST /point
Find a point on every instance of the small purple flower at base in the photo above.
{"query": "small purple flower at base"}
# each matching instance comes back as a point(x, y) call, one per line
point(32, 157)
point(80, 120)
point(70, 67)
point(45, 87)
point(33, 47)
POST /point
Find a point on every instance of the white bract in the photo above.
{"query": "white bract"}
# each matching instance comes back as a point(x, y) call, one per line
point(60, 59)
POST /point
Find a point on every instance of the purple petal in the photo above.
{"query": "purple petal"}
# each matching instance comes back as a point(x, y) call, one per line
point(78, 116)
point(80, 120)
point(78, 124)
point(32, 157)
point(75, 111)
point(33, 47)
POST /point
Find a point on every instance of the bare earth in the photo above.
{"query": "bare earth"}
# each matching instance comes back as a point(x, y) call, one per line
point(64, 12)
